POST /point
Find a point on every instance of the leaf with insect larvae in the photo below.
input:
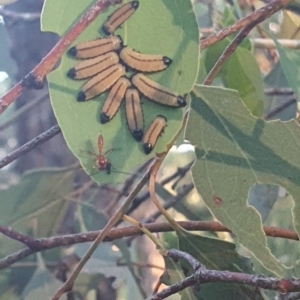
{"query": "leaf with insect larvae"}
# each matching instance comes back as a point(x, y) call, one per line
point(165, 27)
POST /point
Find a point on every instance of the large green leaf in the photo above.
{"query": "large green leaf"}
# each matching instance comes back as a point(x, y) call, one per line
point(162, 27)
point(234, 151)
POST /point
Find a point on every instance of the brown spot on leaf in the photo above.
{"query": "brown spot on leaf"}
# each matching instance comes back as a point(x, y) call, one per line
point(217, 200)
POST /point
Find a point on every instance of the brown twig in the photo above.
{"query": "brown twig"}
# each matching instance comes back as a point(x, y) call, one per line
point(257, 16)
point(270, 44)
point(227, 53)
point(168, 204)
point(278, 91)
point(203, 275)
point(35, 78)
point(40, 139)
point(67, 286)
point(186, 189)
point(176, 254)
point(17, 236)
point(118, 233)
point(289, 101)
point(179, 173)
point(128, 186)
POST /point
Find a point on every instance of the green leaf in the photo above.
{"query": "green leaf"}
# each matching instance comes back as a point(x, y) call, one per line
point(241, 72)
point(290, 61)
point(234, 151)
point(39, 195)
point(218, 255)
point(159, 27)
point(213, 254)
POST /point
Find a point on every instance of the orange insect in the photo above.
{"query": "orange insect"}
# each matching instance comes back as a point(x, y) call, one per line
point(102, 162)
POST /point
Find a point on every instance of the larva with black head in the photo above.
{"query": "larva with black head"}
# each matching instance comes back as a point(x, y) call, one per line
point(101, 82)
point(157, 92)
point(134, 114)
point(144, 62)
point(154, 131)
point(114, 100)
point(94, 48)
point(122, 14)
point(90, 67)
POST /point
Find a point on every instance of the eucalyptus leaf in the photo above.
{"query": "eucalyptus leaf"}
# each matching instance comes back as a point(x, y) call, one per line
point(234, 151)
point(165, 27)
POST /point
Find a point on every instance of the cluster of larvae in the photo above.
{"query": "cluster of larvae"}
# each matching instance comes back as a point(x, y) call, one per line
point(105, 63)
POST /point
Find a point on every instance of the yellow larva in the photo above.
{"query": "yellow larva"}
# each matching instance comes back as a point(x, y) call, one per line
point(119, 17)
point(134, 113)
point(91, 67)
point(95, 48)
point(144, 62)
point(157, 92)
point(154, 131)
point(101, 82)
point(114, 99)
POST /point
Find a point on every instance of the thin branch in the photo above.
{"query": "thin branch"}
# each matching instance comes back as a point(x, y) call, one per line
point(140, 265)
point(257, 16)
point(37, 141)
point(227, 53)
point(159, 159)
point(176, 254)
point(289, 101)
point(24, 239)
point(118, 233)
point(180, 173)
point(171, 203)
point(36, 77)
point(278, 91)
point(203, 275)
point(174, 288)
point(67, 286)
point(128, 185)
point(270, 44)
